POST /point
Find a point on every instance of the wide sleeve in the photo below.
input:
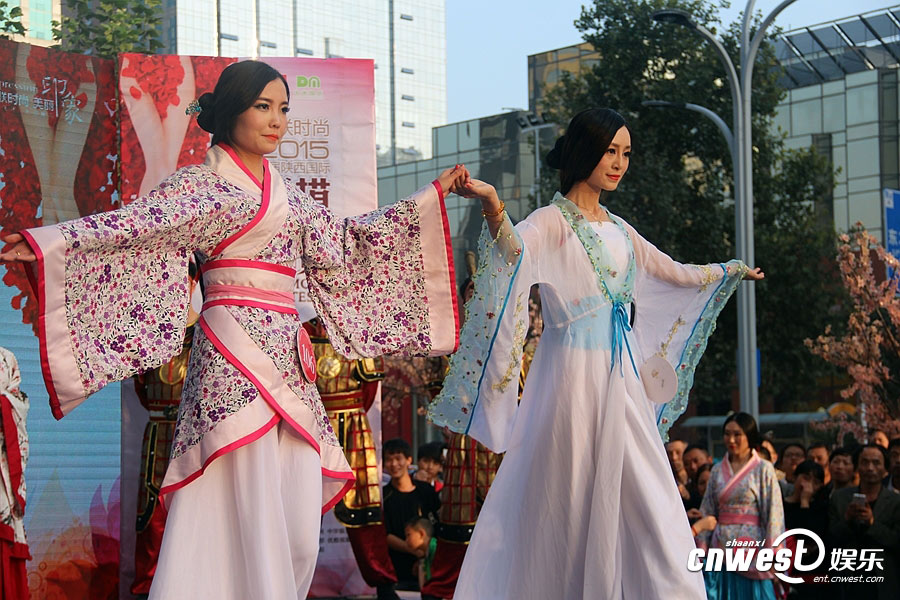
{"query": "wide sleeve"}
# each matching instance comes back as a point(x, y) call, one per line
point(383, 282)
point(480, 393)
point(771, 508)
point(113, 289)
point(709, 506)
point(677, 306)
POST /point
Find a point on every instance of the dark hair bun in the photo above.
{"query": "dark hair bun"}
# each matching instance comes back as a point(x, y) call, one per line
point(207, 117)
point(554, 157)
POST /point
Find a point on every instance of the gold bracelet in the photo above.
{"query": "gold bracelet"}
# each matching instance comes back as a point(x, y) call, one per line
point(495, 214)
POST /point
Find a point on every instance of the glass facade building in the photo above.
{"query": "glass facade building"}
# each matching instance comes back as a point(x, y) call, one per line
point(545, 69)
point(405, 38)
point(843, 100)
point(493, 149)
point(37, 16)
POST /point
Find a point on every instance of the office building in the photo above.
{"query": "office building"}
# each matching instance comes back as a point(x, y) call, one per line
point(37, 16)
point(843, 99)
point(406, 39)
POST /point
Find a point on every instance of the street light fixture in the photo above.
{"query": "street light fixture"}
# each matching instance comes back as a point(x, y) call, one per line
point(741, 88)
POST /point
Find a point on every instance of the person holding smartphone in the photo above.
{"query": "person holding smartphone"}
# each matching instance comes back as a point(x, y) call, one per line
point(867, 517)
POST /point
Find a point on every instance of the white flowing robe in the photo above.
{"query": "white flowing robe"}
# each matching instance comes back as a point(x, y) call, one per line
point(584, 504)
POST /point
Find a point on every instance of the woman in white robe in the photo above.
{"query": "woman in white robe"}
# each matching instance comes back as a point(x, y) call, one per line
point(584, 504)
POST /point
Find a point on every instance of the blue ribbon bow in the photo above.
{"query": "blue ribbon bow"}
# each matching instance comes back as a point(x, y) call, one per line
point(619, 327)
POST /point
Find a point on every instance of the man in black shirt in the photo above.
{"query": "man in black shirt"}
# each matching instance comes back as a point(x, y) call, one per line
point(404, 499)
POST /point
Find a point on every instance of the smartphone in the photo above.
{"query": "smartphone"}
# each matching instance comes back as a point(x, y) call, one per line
point(859, 499)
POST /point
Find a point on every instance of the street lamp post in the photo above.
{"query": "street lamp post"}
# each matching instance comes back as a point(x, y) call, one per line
point(741, 90)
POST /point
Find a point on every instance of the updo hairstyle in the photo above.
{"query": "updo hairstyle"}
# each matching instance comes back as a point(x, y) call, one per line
point(586, 140)
point(239, 85)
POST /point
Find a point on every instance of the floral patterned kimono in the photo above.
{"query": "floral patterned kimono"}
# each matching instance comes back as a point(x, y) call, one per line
point(13, 457)
point(583, 505)
point(747, 506)
point(113, 294)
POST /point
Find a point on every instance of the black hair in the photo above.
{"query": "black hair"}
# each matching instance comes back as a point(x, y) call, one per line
point(586, 140)
point(421, 523)
point(788, 445)
point(238, 87)
point(882, 449)
point(764, 453)
point(748, 425)
point(840, 452)
point(397, 446)
point(703, 468)
point(696, 447)
point(815, 445)
point(811, 467)
point(894, 443)
point(433, 451)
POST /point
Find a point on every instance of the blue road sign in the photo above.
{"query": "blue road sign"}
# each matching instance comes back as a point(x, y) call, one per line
point(891, 202)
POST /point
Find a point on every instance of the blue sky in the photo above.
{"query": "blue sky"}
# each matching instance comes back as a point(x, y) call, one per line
point(488, 43)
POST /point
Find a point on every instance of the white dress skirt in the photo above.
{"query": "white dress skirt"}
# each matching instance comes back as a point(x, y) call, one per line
point(260, 504)
point(554, 524)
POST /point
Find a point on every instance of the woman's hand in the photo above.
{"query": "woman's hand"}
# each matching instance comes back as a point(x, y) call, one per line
point(20, 251)
point(755, 274)
point(452, 180)
point(475, 188)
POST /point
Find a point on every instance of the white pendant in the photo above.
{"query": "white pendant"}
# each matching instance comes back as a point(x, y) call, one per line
point(659, 379)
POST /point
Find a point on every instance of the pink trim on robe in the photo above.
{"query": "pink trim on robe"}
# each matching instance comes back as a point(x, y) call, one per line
point(223, 263)
point(237, 160)
point(726, 518)
point(275, 396)
point(440, 278)
point(264, 204)
point(60, 371)
point(288, 310)
point(734, 479)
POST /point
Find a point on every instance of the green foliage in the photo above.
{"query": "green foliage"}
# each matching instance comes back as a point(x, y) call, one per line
point(678, 192)
point(108, 27)
point(10, 20)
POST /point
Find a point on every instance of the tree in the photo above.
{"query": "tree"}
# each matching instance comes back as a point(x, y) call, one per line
point(108, 27)
point(869, 350)
point(678, 191)
point(10, 20)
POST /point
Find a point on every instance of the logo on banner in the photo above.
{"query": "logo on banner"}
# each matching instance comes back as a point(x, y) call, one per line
point(745, 555)
point(309, 87)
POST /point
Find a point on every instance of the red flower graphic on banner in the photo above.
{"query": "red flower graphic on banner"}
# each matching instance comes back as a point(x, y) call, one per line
point(158, 76)
point(206, 74)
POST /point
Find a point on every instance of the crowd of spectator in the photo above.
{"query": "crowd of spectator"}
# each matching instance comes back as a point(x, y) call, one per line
point(847, 495)
point(411, 506)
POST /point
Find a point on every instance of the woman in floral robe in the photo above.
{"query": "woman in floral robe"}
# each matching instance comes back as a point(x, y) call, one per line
point(744, 497)
point(255, 460)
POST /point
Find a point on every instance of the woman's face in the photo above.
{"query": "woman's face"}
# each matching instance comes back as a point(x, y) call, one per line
point(259, 128)
point(611, 168)
point(702, 481)
point(735, 440)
